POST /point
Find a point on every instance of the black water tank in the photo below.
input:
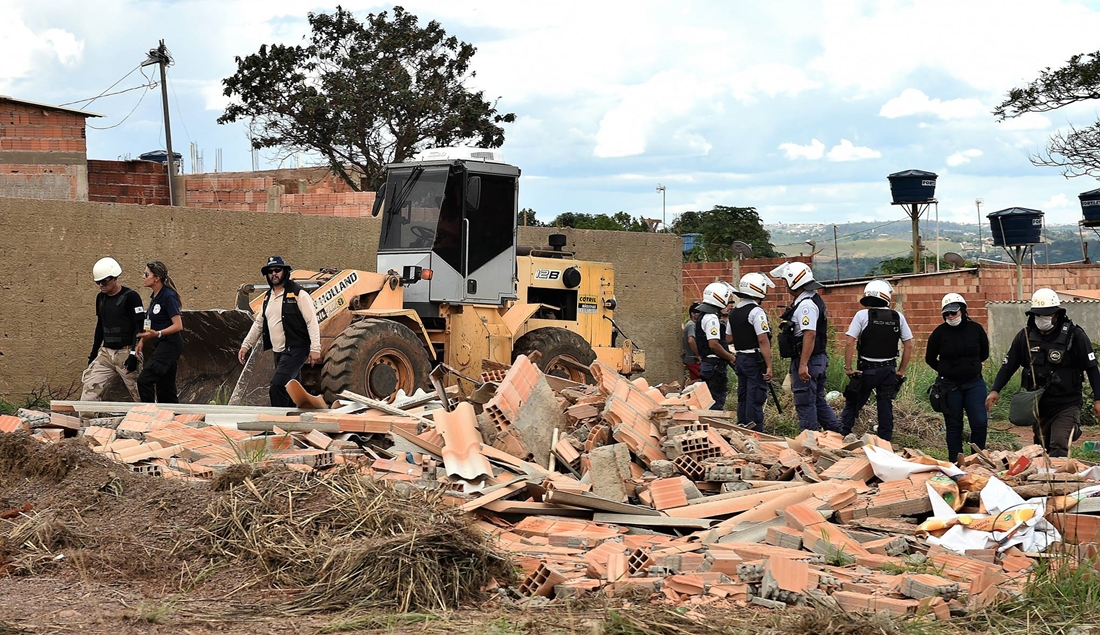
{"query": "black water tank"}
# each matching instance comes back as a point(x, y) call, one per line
point(1090, 205)
point(913, 186)
point(161, 156)
point(1016, 226)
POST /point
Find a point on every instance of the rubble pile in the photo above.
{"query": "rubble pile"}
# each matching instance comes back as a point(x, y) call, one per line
point(623, 488)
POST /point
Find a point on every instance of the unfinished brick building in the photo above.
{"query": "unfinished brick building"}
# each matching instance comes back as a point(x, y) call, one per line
point(43, 151)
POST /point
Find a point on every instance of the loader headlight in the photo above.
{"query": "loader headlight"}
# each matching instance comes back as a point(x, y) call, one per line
point(610, 304)
point(571, 278)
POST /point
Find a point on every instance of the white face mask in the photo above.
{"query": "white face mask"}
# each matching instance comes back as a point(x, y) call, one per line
point(1044, 322)
point(955, 321)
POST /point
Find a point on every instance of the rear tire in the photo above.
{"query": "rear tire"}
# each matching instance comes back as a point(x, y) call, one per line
point(554, 344)
point(375, 358)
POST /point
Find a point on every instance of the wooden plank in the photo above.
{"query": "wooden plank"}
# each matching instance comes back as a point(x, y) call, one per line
point(384, 407)
point(288, 426)
point(536, 509)
point(495, 493)
point(650, 521)
point(178, 408)
point(595, 502)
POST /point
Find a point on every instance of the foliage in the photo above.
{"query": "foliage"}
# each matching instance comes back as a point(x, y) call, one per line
point(720, 226)
point(619, 221)
point(1076, 152)
point(904, 264)
point(527, 218)
point(363, 94)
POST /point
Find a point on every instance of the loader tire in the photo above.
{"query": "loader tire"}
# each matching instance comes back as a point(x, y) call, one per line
point(556, 344)
point(375, 358)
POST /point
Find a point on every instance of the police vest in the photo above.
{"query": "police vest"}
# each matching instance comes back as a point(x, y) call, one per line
point(701, 341)
point(294, 325)
point(116, 317)
point(1050, 359)
point(795, 341)
point(879, 339)
point(744, 333)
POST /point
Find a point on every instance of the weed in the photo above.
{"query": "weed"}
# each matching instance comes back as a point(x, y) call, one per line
point(500, 626)
point(155, 612)
point(913, 563)
point(388, 621)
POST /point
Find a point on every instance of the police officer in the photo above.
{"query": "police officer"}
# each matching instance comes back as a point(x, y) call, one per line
point(805, 340)
point(1054, 353)
point(119, 318)
point(715, 352)
point(752, 343)
point(287, 324)
point(874, 334)
point(157, 381)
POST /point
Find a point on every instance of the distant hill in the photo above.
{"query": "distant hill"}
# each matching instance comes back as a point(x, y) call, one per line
point(864, 245)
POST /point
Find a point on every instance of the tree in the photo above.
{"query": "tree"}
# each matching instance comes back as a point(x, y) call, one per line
point(904, 265)
point(722, 225)
point(363, 94)
point(619, 221)
point(1077, 152)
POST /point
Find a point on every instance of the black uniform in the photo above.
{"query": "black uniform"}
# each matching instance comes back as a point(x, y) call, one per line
point(157, 382)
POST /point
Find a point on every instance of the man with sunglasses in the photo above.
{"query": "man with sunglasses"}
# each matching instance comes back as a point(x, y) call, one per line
point(287, 324)
point(119, 318)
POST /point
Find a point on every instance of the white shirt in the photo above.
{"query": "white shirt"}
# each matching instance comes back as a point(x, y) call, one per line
point(758, 318)
point(805, 313)
point(860, 322)
point(275, 322)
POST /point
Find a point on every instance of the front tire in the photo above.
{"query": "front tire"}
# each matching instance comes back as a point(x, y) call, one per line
point(375, 358)
point(556, 344)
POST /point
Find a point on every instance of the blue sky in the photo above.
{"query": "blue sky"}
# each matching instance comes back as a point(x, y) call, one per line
point(800, 109)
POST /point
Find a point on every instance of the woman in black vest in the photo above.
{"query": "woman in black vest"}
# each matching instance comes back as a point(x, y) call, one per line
point(956, 350)
point(163, 327)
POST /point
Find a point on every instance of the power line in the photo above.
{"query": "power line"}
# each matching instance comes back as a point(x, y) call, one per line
point(91, 100)
point(127, 115)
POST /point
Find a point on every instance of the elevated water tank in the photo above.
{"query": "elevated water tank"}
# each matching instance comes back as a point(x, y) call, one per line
point(1090, 205)
point(691, 240)
point(913, 186)
point(1016, 226)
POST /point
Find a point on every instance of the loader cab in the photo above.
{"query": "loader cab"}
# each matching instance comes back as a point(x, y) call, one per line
point(456, 217)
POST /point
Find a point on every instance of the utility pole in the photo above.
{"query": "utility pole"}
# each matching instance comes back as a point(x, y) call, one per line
point(981, 245)
point(836, 254)
point(160, 57)
point(661, 189)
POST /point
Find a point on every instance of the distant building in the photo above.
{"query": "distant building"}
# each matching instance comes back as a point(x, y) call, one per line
point(43, 151)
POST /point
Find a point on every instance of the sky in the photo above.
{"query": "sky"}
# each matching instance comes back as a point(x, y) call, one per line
point(798, 108)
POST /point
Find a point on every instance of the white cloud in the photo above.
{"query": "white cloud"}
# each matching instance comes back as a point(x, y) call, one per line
point(1058, 201)
point(771, 80)
point(963, 156)
point(815, 150)
point(914, 102)
point(23, 49)
point(1026, 121)
point(846, 151)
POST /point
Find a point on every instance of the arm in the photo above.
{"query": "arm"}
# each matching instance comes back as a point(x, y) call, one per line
point(97, 339)
point(849, 353)
point(766, 352)
point(717, 348)
point(250, 340)
point(305, 305)
point(983, 344)
point(906, 353)
point(932, 350)
point(1009, 365)
point(693, 346)
point(808, 338)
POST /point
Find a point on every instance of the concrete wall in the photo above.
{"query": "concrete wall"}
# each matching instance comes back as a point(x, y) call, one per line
point(49, 247)
point(1007, 318)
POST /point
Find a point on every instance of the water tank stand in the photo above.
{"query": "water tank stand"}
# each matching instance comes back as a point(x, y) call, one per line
point(914, 211)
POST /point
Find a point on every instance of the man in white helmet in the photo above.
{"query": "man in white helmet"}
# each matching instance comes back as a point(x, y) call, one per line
point(1054, 353)
point(752, 342)
point(711, 329)
point(874, 334)
point(803, 338)
point(120, 316)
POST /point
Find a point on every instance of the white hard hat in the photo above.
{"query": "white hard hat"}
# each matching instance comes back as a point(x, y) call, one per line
point(717, 294)
point(798, 276)
point(877, 293)
point(754, 285)
point(106, 268)
point(952, 302)
point(1045, 302)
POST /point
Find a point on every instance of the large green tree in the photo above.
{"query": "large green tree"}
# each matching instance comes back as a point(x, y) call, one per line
point(363, 94)
point(1076, 152)
point(722, 225)
point(619, 221)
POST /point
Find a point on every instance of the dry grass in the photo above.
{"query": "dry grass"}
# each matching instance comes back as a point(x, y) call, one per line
point(342, 541)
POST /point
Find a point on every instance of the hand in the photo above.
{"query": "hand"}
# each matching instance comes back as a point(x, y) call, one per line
point(900, 374)
point(91, 358)
point(242, 355)
point(1096, 409)
point(131, 363)
point(145, 335)
point(768, 376)
point(850, 371)
point(314, 358)
point(804, 372)
point(993, 397)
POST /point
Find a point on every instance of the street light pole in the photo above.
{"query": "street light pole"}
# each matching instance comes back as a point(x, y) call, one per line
point(661, 189)
point(159, 56)
point(981, 245)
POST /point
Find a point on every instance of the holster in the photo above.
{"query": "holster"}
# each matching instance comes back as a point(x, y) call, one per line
point(855, 384)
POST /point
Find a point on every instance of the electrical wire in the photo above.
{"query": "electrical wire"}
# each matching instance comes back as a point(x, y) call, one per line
point(91, 100)
point(172, 87)
point(149, 84)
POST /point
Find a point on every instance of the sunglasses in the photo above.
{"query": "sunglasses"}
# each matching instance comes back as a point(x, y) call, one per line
point(950, 313)
point(104, 282)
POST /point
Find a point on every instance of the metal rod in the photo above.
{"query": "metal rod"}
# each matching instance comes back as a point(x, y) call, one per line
point(915, 217)
point(836, 256)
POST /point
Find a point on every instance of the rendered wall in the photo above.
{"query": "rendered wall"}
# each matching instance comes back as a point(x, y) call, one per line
point(48, 249)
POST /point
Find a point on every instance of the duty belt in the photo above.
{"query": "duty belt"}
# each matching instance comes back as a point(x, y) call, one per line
point(866, 365)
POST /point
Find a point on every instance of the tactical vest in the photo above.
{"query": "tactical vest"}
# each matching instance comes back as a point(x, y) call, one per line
point(702, 342)
point(879, 339)
point(294, 325)
point(115, 319)
point(744, 333)
point(794, 342)
point(1051, 361)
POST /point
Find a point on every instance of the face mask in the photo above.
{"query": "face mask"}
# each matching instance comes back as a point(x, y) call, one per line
point(1044, 322)
point(955, 321)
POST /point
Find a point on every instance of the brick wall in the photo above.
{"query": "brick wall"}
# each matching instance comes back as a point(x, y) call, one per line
point(697, 275)
point(309, 191)
point(36, 129)
point(137, 182)
point(44, 181)
point(242, 194)
point(353, 204)
point(42, 152)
